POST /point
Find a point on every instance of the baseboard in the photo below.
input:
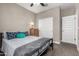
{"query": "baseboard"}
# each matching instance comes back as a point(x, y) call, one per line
point(78, 49)
point(56, 42)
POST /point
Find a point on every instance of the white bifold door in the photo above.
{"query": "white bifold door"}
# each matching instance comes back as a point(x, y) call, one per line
point(46, 27)
point(69, 29)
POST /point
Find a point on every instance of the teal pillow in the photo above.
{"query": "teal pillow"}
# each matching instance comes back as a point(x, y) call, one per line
point(20, 35)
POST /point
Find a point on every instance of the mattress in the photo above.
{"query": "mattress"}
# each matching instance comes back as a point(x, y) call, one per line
point(31, 48)
point(9, 46)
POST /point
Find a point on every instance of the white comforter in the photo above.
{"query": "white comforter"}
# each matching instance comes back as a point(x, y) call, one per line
point(9, 46)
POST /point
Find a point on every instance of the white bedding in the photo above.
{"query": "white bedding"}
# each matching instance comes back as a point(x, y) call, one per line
point(9, 46)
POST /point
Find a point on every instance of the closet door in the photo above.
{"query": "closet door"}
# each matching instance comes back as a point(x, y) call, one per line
point(69, 29)
point(46, 27)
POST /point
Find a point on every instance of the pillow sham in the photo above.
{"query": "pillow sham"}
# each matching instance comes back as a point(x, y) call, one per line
point(26, 33)
point(4, 35)
point(11, 35)
point(20, 35)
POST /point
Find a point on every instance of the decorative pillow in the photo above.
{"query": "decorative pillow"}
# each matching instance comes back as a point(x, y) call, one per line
point(20, 35)
point(11, 35)
point(26, 33)
point(4, 35)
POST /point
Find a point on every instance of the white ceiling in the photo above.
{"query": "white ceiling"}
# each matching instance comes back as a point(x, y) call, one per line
point(39, 8)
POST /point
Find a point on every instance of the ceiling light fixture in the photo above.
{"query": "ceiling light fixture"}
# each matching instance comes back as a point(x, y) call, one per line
point(37, 4)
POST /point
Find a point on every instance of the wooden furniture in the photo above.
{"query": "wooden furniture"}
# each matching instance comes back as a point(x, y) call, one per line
point(34, 32)
point(1, 53)
point(0, 40)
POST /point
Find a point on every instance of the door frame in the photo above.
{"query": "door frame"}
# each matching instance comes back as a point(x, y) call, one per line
point(76, 28)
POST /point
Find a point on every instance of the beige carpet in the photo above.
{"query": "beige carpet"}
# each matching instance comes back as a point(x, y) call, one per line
point(63, 49)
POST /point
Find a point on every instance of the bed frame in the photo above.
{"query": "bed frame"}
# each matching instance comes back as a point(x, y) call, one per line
point(44, 50)
point(39, 53)
point(51, 45)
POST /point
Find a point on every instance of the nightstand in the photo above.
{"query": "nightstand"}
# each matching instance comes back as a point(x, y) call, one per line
point(34, 32)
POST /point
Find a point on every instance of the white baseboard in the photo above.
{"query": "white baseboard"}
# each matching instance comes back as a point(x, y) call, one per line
point(56, 42)
point(78, 49)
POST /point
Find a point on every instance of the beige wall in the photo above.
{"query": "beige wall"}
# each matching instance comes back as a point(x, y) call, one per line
point(77, 13)
point(68, 11)
point(14, 18)
point(55, 13)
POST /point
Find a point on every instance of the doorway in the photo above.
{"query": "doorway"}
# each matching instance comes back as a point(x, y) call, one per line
point(69, 29)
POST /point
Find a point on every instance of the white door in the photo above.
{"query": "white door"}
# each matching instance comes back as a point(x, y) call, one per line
point(69, 29)
point(46, 27)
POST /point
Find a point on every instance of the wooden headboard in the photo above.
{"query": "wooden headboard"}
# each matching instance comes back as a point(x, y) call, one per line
point(1, 36)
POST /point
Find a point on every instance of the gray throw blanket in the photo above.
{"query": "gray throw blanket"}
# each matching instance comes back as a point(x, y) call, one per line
point(30, 48)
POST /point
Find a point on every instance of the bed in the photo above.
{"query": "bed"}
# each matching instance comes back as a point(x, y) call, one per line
point(28, 46)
